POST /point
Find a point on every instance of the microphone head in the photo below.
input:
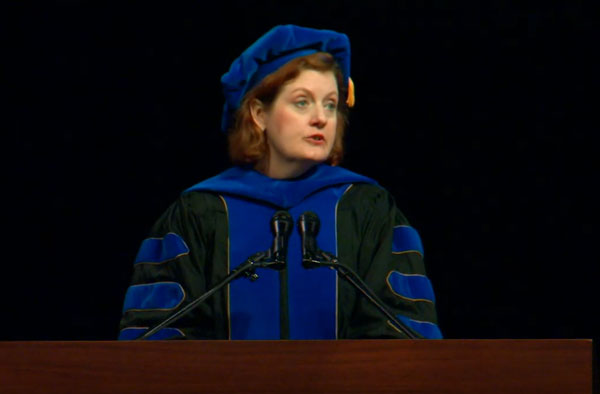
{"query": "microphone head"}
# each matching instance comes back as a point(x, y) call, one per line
point(308, 226)
point(309, 223)
point(282, 223)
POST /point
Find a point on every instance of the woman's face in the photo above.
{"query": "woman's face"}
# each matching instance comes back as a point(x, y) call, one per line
point(301, 123)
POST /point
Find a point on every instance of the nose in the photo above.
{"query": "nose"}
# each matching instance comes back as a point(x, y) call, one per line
point(319, 118)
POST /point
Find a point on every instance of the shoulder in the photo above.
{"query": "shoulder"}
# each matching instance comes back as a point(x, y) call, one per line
point(365, 195)
point(201, 206)
point(191, 209)
point(201, 201)
point(196, 203)
point(371, 201)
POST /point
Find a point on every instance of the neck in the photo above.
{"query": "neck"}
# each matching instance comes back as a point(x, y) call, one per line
point(285, 170)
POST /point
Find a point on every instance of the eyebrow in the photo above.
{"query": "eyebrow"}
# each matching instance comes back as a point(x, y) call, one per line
point(310, 92)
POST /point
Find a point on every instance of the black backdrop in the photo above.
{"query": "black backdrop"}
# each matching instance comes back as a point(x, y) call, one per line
point(481, 120)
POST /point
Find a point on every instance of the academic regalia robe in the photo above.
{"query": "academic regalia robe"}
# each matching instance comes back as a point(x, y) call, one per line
point(217, 224)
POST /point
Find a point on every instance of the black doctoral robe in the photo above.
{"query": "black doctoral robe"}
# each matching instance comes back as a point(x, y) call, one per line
point(190, 250)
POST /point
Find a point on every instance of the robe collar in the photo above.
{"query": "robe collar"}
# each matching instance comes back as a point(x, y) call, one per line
point(246, 182)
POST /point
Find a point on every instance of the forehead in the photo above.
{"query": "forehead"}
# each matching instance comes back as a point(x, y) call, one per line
point(322, 82)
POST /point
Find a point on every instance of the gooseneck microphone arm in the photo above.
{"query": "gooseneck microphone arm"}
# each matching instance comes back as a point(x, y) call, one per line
point(246, 268)
point(275, 258)
point(313, 257)
point(329, 260)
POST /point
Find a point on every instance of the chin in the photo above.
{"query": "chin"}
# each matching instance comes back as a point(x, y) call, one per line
point(317, 157)
point(316, 160)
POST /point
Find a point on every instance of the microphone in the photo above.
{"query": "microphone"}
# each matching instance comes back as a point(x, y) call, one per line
point(309, 226)
point(281, 227)
point(275, 258)
point(312, 257)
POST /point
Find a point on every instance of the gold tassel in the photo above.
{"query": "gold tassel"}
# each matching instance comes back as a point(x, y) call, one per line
point(350, 101)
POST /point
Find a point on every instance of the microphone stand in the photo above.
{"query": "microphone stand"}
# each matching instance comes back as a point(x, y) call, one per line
point(329, 260)
point(247, 268)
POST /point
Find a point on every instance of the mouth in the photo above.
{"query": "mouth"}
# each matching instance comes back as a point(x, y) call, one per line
point(316, 138)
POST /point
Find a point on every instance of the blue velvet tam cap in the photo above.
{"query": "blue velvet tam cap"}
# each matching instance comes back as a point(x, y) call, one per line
point(274, 49)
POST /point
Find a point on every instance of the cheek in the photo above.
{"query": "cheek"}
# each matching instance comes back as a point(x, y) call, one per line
point(332, 129)
point(282, 121)
point(333, 124)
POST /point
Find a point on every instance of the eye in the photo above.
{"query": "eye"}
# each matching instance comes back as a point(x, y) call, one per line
point(301, 103)
point(331, 105)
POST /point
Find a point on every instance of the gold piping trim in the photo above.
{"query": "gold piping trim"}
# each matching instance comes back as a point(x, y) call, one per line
point(403, 274)
point(337, 290)
point(387, 281)
point(164, 261)
point(423, 322)
point(227, 295)
point(418, 321)
point(169, 259)
point(408, 252)
point(158, 309)
point(394, 327)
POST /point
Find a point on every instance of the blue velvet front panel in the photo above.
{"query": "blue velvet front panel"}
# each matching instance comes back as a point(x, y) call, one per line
point(312, 294)
point(406, 239)
point(253, 306)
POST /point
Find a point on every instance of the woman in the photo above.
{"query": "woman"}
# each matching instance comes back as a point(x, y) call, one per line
point(286, 100)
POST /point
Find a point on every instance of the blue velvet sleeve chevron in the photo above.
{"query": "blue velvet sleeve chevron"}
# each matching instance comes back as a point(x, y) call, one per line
point(159, 250)
point(425, 328)
point(153, 296)
point(411, 286)
point(406, 239)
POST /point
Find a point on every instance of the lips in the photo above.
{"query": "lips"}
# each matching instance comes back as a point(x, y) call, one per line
point(316, 138)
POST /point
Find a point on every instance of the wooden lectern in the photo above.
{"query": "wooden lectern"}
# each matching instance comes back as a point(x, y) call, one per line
point(343, 366)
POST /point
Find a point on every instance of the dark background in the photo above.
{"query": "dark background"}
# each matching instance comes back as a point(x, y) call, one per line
point(481, 120)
